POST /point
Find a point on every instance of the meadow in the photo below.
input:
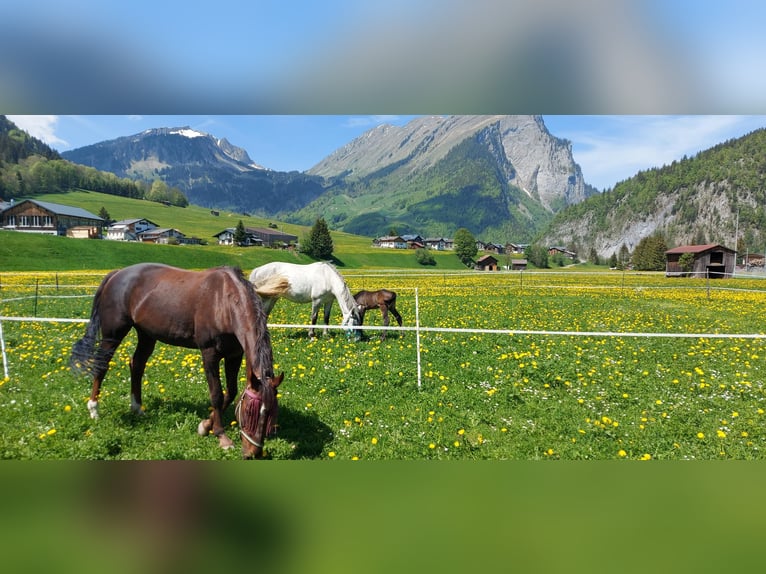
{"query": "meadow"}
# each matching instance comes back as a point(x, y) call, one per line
point(500, 366)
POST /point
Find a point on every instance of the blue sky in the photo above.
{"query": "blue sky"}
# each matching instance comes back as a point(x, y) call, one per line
point(608, 148)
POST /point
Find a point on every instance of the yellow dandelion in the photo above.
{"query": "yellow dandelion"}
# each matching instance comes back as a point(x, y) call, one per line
point(431, 446)
point(621, 453)
point(374, 440)
point(331, 454)
point(646, 456)
point(720, 433)
point(700, 435)
point(67, 408)
point(461, 432)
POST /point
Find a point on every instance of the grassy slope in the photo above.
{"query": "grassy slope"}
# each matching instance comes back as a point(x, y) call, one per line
point(32, 252)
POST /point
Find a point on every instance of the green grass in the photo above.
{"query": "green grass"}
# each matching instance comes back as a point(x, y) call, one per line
point(31, 252)
point(533, 396)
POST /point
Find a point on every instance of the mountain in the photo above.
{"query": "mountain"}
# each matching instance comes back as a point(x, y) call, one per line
point(499, 176)
point(210, 171)
point(16, 144)
point(709, 198)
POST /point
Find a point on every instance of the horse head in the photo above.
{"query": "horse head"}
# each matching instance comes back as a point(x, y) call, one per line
point(354, 319)
point(256, 413)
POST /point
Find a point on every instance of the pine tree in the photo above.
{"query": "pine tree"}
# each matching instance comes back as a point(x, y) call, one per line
point(319, 242)
point(240, 235)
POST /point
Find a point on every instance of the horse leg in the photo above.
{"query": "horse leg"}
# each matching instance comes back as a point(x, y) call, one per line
point(384, 311)
point(104, 355)
point(327, 312)
point(314, 316)
point(231, 367)
point(144, 349)
point(211, 361)
point(396, 314)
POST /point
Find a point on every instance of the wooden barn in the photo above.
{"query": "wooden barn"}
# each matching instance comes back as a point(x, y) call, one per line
point(34, 216)
point(712, 260)
point(486, 263)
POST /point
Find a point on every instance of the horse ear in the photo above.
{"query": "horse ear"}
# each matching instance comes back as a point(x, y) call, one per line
point(276, 381)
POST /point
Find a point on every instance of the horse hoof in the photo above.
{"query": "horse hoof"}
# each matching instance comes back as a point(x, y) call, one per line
point(204, 427)
point(225, 442)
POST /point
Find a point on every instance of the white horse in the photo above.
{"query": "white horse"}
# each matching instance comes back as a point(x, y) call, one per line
point(318, 283)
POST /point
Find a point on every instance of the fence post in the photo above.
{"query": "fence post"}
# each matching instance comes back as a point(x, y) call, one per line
point(417, 331)
point(37, 292)
point(2, 346)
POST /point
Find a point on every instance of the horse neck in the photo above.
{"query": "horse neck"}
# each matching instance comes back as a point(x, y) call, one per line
point(342, 294)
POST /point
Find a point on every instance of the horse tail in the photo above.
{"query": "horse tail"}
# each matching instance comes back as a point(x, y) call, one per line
point(84, 358)
point(273, 286)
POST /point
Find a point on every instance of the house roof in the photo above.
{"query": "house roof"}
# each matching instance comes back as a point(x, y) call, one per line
point(134, 220)
point(697, 248)
point(67, 210)
point(486, 258)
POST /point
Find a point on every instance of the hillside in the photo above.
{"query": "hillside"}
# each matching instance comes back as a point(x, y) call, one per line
point(702, 199)
point(31, 252)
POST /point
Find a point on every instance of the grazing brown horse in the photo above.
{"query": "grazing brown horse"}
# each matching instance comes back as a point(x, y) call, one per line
point(382, 299)
point(216, 311)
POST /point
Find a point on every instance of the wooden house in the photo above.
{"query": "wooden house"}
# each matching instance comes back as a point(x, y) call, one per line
point(257, 236)
point(129, 229)
point(518, 264)
point(34, 216)
point(161, 235)
point(391, 242)
point(486, 263)
point(711, 260)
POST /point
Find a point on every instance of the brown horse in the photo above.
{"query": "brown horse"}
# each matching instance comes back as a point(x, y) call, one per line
point(382, 299)
point(216, 311)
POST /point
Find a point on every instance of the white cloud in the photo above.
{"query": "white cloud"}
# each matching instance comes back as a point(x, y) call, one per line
point(41, 127)
point(620, 146)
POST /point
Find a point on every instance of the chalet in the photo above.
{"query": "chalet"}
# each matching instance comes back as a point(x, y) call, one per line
point(562, 251)
point(257, 236)
point(711, 260)
point(518, 264)
point(129, 229)
point(439, 243)
point(226, 237)
point(494, 248)
point(390, 242)
point(34, 216)
point(516, 247)
point(413, 241)
point(486, 263)
point(161, 235)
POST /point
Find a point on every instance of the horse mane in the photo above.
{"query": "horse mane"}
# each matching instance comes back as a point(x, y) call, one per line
point(262, 338)
point(341, 291)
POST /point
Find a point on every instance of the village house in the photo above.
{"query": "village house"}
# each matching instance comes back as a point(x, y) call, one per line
point(439, 243)
point(164, 235)
point(129, 229)
point(226, 237)
point(413, 241)
point(562, 251)
point(710, 260)
point(486, 263)
point(257, 236)
point(518, 264)
point(34, 216)
point(390, 242)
